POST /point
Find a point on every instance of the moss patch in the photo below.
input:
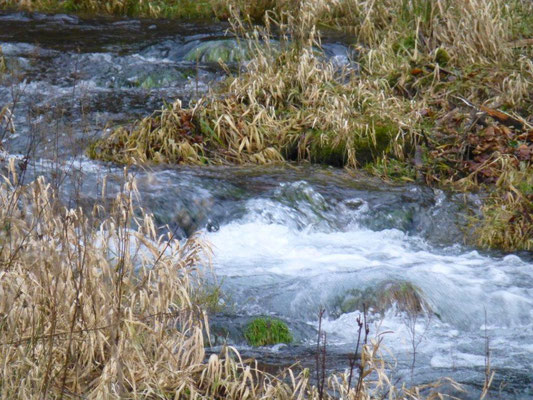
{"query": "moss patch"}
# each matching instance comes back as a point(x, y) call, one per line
point(267, 331)
point(507, 215)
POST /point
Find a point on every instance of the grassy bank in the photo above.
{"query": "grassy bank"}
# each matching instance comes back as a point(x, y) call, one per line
point(442, 93)
point(175, 9)
point(191, 9)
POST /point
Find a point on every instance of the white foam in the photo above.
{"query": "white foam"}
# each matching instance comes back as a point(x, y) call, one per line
point(457, 359)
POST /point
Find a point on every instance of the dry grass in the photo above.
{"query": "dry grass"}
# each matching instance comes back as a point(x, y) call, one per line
point(92, 306)
point(290, 104)
point(403, 114)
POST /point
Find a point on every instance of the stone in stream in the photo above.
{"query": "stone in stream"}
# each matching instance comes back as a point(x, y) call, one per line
point(404, 295)
point(213, 51)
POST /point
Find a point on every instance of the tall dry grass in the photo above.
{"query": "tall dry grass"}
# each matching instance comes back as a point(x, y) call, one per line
point(93, 306)
point(293, 104)
point(290, 104)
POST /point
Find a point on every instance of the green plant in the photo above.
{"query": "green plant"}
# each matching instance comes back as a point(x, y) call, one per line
point(267, 331)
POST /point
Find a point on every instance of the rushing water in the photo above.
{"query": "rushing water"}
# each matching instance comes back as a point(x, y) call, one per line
point(286, 241)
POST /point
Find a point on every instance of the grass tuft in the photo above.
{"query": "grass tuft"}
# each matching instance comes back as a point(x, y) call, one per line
point(267, 331)
point(507, 221)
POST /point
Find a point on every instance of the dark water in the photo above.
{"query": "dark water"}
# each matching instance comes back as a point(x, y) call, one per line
point(286, 241)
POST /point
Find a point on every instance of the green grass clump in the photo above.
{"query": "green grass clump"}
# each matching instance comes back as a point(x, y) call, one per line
point(267, 331)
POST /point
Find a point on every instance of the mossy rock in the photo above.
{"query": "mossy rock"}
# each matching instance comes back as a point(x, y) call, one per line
point(266, 331)
point(157, 80)
point(213, 51)
point(405, 295)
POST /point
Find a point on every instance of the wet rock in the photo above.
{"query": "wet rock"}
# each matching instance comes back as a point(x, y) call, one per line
point(214, 51)
point(354, 204)
point(212, 226)
point(405, 296)
point(301, 193)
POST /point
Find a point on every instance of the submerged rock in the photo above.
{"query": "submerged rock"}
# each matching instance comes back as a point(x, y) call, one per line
point(405, 296)
point(213, 51)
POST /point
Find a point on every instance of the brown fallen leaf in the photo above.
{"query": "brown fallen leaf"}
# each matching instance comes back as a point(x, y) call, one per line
point(502, 117)
point(523, 152)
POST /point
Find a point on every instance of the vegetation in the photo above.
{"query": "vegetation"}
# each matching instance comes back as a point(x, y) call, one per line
point(508, 214)
point(267, 331)
point(403, 295)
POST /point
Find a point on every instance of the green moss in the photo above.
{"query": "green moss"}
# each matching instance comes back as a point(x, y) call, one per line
point(267, 331)
point(442, 57)
point(392, 169)
point(404, 44)
point(324, 150)
point(373, 141)
point(213, 51)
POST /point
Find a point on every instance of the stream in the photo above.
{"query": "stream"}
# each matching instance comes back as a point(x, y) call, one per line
point(286, 241)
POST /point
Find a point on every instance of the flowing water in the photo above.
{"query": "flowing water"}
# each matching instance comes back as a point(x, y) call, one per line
point(286, 241)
